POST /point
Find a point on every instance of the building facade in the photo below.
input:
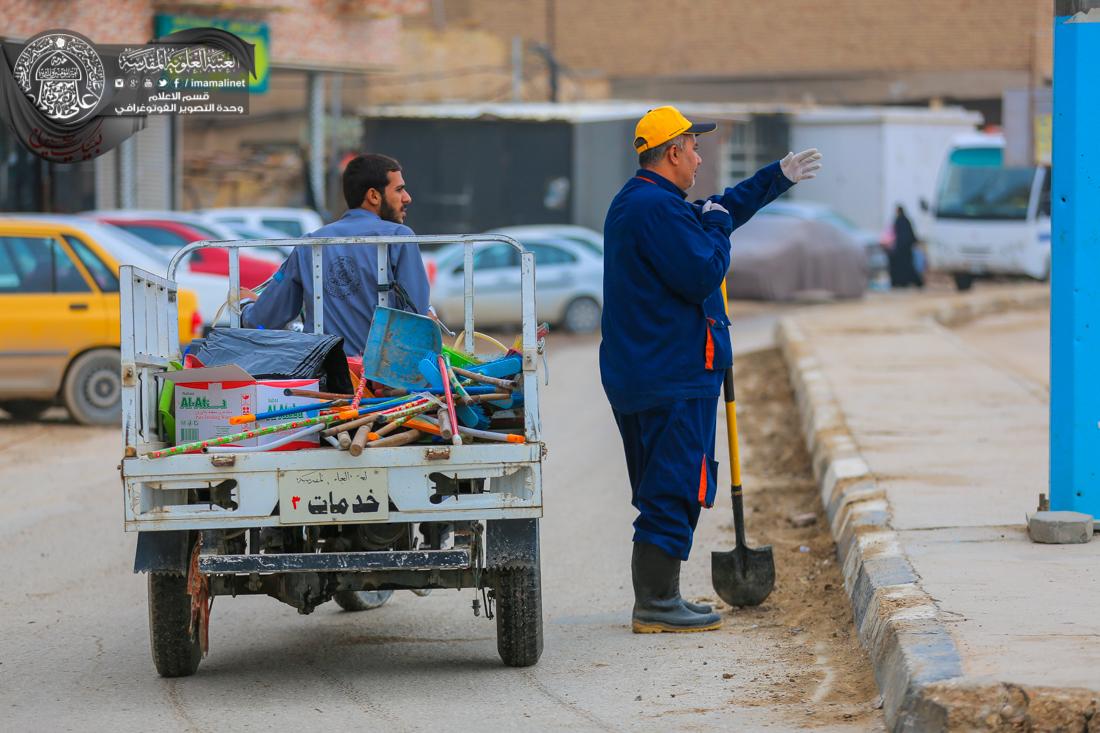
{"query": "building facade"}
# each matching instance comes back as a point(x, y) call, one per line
point(312, 56)
point(837, 52)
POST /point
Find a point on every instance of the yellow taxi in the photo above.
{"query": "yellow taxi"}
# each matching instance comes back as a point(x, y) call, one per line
point(59, 316)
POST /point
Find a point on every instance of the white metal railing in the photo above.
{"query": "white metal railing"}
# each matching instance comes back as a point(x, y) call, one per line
point(136, 346)
point(149, 319)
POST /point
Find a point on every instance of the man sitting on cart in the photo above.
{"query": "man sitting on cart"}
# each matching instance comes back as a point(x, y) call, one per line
point(377, 200)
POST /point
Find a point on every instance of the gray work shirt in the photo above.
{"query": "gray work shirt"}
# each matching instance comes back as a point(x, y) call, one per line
point(351, 282)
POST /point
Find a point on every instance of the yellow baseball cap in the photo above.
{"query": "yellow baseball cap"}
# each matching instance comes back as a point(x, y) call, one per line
point(660, 125)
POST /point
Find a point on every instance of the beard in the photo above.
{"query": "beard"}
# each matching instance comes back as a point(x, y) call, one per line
point(389, 213)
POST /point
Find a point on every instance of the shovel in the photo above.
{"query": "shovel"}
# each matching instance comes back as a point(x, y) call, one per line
point(396, 343)
point(742, 576)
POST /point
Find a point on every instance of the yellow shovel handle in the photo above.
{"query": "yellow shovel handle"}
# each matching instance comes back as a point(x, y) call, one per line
point(731, 416)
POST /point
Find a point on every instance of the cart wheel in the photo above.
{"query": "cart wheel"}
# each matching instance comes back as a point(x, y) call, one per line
point(519, 615)
point(361, 600)
point(176, 652)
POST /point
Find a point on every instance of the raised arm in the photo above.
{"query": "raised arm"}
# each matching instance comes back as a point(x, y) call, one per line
point(752, 194)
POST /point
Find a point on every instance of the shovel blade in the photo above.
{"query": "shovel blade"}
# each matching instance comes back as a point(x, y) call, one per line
point(743, 576)
point(396, 343)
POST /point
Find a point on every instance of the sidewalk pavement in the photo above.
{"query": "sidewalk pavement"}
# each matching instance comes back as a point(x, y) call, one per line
point(929, 454)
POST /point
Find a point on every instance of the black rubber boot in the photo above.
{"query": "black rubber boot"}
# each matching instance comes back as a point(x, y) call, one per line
point(693, 607)
point(657, 604)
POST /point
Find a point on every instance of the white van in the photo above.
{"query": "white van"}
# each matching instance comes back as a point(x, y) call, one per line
point(989, 219)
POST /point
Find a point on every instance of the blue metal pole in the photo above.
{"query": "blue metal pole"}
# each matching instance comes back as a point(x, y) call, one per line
point(1075, 267)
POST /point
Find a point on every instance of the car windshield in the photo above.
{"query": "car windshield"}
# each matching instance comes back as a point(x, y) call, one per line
point(243, 230)
point(155, 235)
point(290, 227)
point(588, 244)
point(203, 230)
point(111, 234)
point(590, 239)
point(128, 249)
point(976, 186)
point(450, 255)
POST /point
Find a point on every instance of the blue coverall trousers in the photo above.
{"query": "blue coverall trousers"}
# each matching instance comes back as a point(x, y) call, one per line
point(673, 474)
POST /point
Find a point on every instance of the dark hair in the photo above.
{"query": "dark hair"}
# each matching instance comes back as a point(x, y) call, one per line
point(652, 157)
point(365, 172)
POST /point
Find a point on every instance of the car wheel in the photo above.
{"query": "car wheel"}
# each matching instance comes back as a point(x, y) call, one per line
point(582, 316)
point(963, 281)
point(25, 409)
point(93, 388)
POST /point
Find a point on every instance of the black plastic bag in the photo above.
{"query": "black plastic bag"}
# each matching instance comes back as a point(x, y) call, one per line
point(275, 354)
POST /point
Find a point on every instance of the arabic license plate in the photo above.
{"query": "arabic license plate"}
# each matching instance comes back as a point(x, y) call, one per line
point(334, 495)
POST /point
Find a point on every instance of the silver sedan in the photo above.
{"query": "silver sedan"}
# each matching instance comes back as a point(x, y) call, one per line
point(568, 276)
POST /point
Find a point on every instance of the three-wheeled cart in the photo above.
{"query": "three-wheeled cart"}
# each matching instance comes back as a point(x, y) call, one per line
point(456, 516)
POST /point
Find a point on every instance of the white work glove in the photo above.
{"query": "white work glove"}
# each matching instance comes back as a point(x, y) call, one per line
point(713, 205)
point(801, 166)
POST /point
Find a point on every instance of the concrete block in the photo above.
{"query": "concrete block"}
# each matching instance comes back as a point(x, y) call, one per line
point(1060, 528)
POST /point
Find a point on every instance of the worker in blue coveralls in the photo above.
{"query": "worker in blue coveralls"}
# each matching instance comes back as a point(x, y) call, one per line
point(666, 346)
point(378, 201)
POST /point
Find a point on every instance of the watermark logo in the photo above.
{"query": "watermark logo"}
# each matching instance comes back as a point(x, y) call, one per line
point(68, 100)
point(63, 75)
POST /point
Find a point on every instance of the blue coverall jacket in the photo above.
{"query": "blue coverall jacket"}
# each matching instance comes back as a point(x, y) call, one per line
point(351, 281)
point(666, 342)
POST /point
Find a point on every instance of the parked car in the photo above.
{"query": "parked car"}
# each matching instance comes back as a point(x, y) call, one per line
point(779, 257)
point(569, 289)
point(59, 316)
point(247, 231)
point(174, 235)
point(871, 242)
point(212, 290)
point(581, 235)
point(207, 228)
point(291, 221)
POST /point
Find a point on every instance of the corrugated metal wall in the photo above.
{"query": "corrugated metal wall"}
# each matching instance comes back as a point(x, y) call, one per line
point(471, 175)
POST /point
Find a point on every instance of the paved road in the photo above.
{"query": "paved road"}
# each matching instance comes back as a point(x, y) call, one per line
point(73, 626)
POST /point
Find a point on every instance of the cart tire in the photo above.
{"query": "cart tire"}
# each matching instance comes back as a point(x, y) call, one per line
point(519, 615)
point(361, 600)
point(176, 652)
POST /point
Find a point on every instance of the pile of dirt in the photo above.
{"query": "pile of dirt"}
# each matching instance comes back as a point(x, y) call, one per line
point(808, 615)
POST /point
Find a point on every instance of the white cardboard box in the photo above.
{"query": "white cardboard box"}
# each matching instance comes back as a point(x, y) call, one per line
point(269, 396)
point(206, 398)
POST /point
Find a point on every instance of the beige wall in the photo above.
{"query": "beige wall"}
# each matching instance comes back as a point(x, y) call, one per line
point(749, 39)
point(344, 34)
point(110, 21)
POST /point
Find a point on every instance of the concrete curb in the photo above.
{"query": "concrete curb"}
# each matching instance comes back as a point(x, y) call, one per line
point(916, 663)
point(896, 620)
point(957, 311)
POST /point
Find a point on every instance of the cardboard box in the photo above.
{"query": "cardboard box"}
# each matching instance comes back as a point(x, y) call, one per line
point(206, 398)
point(269, 396)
